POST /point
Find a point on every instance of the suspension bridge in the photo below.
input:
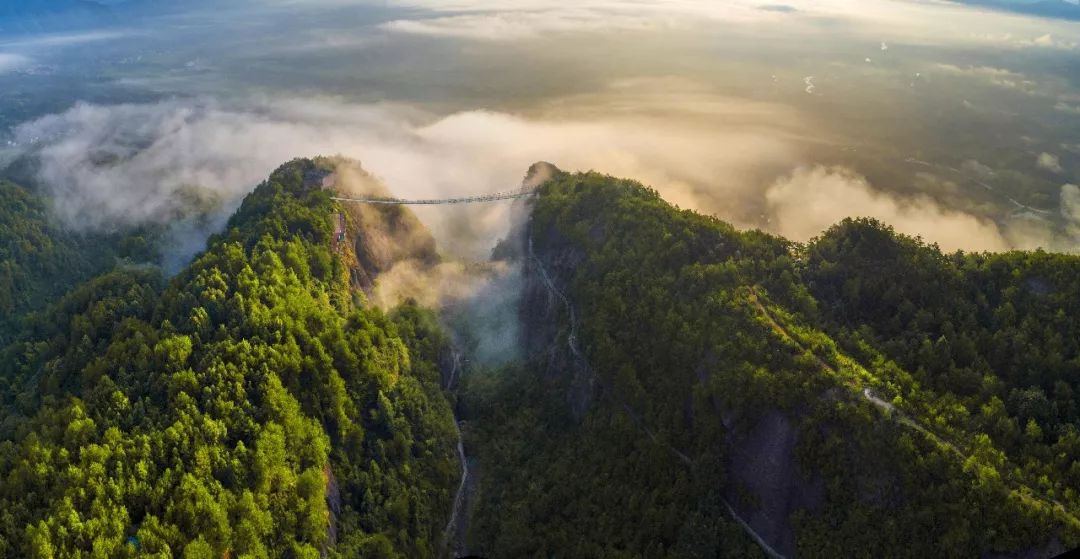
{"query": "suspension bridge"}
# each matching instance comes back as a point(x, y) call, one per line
point(493, 197)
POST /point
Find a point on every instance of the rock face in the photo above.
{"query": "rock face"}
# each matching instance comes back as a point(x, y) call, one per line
point(382, 236)
point(550, 324)
point(548, 316)
point(539, 173)
point(376, 236)
point(333, 504)
point(1053, 548)
point(762, 466)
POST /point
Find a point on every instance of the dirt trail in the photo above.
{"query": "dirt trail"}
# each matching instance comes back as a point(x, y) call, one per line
point(853, 383)
point(1026, 491)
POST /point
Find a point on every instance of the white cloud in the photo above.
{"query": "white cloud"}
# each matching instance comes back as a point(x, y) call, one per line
point(1070, 210)
point(12, 62)
point(64, 39)
point(518, 19)
point(524, 19)
point(811, 199)
point(111, 166)
point(514, 25)
point(1067, 108)
point(996, 76)
point(1049, 162)
point(899, 22)
point(1049, 41)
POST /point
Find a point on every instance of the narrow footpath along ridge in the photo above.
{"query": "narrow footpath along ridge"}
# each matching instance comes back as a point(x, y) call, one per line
point(1025, 491)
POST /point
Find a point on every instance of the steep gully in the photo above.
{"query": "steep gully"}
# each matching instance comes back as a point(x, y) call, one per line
point(572, 344)
point(453, 541)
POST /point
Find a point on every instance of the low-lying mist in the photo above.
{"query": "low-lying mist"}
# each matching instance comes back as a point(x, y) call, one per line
point(109, 167)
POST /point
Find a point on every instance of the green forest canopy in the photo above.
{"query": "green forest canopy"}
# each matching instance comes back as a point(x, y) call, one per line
point(696, 334)
point(213, 412)
point(253, 405)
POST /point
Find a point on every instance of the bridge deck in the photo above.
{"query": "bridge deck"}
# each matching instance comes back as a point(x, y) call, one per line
point(435, 201)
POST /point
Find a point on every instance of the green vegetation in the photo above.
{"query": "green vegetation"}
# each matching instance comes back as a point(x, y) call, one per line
point(986, 347)
point(40, 261)
point(248, 407)
point(696, 334)
point(861, 395)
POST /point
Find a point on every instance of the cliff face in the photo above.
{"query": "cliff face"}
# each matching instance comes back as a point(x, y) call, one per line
point(375, 237)
point(381, 236)
point(550, 321)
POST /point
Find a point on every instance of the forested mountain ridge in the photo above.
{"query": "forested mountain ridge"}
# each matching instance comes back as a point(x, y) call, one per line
point(40, 260)
point(683, 389)
point(249, 406)
point(691, 383)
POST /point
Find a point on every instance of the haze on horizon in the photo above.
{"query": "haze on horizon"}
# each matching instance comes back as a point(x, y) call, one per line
point(953, 122)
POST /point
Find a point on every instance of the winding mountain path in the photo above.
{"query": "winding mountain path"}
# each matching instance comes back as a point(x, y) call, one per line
point(1024, 490)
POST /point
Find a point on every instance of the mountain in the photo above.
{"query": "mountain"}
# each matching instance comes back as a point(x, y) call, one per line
point(250, 405)
point(40, 260)
point(696, 391)
point(681, 389)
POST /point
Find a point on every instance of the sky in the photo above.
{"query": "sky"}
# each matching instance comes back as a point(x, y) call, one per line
point(952, 122)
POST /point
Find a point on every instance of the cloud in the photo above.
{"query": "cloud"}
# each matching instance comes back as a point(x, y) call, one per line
point(1067, 108)
point(115, 166)
point(1049, 162)
point(12, 62)
point(977, 170)
point(1031, 231)
point(481, 303)
point(524, 19)
point(1070, 210)
point(428, 285)
point(513, 25)
point(64, 39)
point(1049, 41)
point(811, 199)
point(122, 165)
point(907, 23)
point(1031, 40)
point(996, 76)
